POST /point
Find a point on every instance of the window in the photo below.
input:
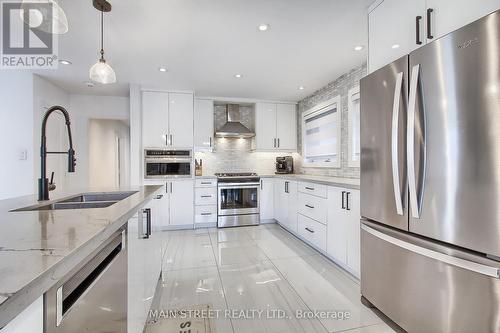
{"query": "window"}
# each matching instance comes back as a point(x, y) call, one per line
point(321, 135)
point(354, 127)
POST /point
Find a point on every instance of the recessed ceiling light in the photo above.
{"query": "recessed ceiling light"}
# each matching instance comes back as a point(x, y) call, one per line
point(162, 69)
point(263, 27)
point(301, 88)
point(358, 48)
point(65, 62)
point(238, 76)
point(395, 46)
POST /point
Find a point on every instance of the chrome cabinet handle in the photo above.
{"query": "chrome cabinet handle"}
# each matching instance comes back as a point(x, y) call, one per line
point(206, 183)
point(310, 230)
point(309, 188)
point(210, 140)
point(343, 200)
point(261, 184)
point(410, 142)
point(171, 139)
point(159, 196)
point(206, 196)
point(347, 201)
point(278, 142)
point(274, 145)
point(417, 27)
point(166, 139)
point(171, 187)
point(148, 222)
point(395, 144)
point(309, 206)
point(206, 214)
point(429, 23)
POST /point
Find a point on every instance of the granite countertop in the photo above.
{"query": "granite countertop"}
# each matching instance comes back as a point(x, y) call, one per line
point(37, 248)
point(351, 183)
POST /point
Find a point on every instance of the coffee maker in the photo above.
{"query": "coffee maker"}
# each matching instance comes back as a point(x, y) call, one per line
point(284, 164)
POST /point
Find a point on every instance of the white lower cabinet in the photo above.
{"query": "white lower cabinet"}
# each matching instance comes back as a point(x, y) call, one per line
point(285, 203)
point(266, 198)
point(144, 266)
point(312, 231)
point(173, 208)
point(205, 201)
point(353, 232)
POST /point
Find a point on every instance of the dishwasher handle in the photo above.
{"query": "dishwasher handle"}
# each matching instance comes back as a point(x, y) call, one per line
point(77, 286)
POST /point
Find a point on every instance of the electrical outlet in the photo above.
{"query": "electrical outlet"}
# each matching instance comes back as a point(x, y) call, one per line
point(23, 155)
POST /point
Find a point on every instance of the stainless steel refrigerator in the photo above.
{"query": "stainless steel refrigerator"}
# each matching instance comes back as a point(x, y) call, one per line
point(430, 184)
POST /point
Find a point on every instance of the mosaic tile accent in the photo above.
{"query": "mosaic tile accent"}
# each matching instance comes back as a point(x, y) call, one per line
point(338, 87)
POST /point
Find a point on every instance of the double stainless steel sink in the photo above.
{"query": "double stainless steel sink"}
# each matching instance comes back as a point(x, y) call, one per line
point(82, 201)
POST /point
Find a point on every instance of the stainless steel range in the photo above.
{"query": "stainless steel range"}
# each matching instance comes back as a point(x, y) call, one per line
point(238, 197)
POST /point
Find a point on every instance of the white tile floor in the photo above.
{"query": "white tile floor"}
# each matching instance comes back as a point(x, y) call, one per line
point(260, 268)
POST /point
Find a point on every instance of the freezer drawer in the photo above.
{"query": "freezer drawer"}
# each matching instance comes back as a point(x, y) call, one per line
point(426, 287)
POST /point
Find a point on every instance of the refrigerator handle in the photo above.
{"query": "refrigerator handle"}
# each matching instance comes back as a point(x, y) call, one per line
point(395, 144)
point(429, 253)
point(410, 142)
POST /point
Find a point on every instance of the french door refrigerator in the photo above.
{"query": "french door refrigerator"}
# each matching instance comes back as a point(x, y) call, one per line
point(430, 184)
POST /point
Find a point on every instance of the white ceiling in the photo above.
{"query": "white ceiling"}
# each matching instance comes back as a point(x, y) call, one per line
point(204, 43)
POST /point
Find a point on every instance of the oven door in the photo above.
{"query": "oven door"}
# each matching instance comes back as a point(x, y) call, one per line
point(236, 199)
point(167, 168)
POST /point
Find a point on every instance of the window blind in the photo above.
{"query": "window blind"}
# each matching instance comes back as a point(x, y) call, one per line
point(321, 135)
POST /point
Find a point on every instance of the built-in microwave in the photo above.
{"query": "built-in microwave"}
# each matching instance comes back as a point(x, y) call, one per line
point(167, 163)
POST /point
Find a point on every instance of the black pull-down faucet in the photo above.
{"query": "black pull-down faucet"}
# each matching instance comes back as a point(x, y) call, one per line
point(43, 182)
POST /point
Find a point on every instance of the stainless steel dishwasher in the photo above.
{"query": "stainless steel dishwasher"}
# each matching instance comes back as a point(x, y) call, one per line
point(93, 297)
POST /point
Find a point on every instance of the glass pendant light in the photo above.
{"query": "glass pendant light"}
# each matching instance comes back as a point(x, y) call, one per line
point(102, 72)
point(58, 24)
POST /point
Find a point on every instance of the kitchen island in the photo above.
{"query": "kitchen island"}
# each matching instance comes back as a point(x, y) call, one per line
point(38, 248)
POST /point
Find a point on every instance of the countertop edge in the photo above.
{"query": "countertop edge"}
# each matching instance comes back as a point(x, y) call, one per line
point(20, 300)
point(311, 179)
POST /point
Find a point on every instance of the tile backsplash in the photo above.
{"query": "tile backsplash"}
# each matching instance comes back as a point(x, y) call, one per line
point(340, 87)
point(236, 155)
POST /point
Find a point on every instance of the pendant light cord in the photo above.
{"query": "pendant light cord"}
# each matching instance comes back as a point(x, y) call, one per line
point(102, 35)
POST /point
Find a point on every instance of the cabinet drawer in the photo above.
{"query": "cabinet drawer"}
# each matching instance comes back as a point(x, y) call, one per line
point(312, 231)
point(313, 207)
point(205, 196)
point(206, 182)
point(205, 214)
point(318, 190)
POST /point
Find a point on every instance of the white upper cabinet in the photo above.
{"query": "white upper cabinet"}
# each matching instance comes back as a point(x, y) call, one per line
point(154, 119)
point(286, 126)
point(265, 126)
point(181, 119)
point(203, 123)
point(167, 119)
point(449, 15)
point(397, 27)
point(276, 126)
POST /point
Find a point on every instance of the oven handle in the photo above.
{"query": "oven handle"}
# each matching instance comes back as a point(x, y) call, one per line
point(168, 160)
point(235, 186)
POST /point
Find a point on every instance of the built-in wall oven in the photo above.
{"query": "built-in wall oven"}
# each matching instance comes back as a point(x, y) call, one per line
point(238, 200)
point(167, 163)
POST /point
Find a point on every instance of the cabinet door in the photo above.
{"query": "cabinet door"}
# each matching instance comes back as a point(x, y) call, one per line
point(353, 232)
point(450, 15)
point(154, 119)
point(180, 119)
point(159, 211)
point(266, 198)
point(280, 201)
point(286, 127)
point(203, 123)
point(392, 31)
point(265, 126)
point(291, 218)
point(337, 225)
point(181, 202)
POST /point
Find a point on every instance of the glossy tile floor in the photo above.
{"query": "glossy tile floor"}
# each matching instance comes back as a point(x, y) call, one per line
point(257, 279)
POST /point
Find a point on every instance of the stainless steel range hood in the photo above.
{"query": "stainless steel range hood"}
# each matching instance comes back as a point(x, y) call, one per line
point(233, 128)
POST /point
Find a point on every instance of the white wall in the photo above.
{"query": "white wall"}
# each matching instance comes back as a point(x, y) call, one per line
point(108, 163)
point(84, 108)
point(16, 133)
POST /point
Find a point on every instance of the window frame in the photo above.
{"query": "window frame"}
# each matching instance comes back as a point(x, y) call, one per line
point(314, 111)
point(353, 95)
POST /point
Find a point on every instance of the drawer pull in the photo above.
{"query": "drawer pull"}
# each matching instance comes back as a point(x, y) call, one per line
point(310, 230)
point(159, 196)
point(206, 196)
point(309, 206)
point(206, 214)
point(206, 183)
point(309, 188)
